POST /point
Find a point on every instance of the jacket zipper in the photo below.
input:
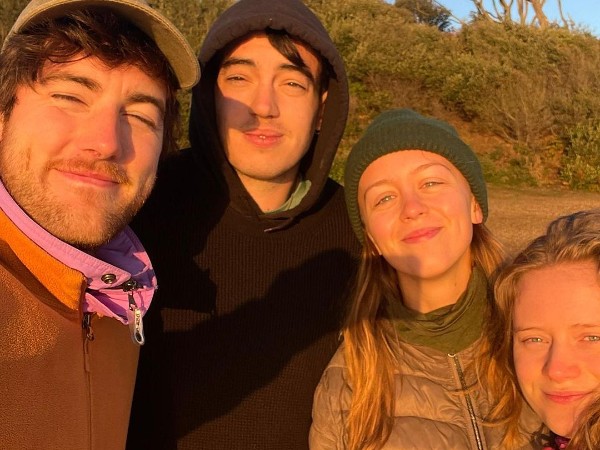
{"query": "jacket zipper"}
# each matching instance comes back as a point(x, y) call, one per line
point(88, 331)
point(134, 314)
point(463, 384)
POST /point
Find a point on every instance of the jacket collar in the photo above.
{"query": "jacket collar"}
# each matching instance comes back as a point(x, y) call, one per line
point(66, 271)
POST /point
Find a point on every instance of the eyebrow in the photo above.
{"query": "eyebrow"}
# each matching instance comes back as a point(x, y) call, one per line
point(88, 83)
point(138, 97)
point(416, 170)
point(289, 66)
point(583, 326)
point(94, 86)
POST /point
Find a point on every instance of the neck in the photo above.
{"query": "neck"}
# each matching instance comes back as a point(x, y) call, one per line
point(428, 294)
point(270, 194)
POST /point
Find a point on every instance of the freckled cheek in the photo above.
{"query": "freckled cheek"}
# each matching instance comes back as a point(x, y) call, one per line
point(522, 364)
point(591, 364)
point(381, 230)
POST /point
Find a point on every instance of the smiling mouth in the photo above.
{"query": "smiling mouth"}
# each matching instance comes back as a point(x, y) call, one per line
point(103, 175)
point(566, 397)
point(91, 178)
point(423, 234)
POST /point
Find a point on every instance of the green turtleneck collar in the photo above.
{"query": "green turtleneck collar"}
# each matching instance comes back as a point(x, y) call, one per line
point(451, 328)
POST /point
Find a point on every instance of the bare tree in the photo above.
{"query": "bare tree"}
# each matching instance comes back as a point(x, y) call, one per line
point(502, 11)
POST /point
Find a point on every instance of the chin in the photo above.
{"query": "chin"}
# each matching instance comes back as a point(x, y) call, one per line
point(87, 238)
point(560, 428)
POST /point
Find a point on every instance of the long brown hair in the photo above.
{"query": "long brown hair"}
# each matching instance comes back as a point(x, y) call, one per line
point(369, 341)
point(571, 238)
point(95, 32)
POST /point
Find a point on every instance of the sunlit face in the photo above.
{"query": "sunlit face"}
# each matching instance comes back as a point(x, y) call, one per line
point(419, 212)
point(267, 109)
point(80, 149)
point(557, 341)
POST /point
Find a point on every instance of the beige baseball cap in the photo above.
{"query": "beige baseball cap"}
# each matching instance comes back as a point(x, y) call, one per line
point(167, 37)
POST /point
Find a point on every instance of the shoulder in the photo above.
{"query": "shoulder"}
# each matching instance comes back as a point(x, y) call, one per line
point(333, 391)
point(331, 405)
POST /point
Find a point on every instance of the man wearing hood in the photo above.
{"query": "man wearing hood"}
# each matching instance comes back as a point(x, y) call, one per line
point(250, 240)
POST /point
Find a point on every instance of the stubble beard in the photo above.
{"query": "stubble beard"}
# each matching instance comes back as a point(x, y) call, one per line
point(86, 227)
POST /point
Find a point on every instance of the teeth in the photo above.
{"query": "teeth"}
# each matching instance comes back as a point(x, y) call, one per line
point(262, 137)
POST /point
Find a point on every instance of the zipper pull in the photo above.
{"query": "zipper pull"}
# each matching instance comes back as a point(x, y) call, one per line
point(134, 314)
point(86, 324)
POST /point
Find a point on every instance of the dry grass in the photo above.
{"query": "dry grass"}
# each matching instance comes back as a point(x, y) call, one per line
point(519, 215)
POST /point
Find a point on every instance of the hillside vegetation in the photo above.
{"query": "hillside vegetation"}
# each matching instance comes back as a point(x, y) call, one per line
point(525, 98)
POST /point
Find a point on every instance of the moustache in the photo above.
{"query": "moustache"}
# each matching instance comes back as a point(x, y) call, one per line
point(103, 169)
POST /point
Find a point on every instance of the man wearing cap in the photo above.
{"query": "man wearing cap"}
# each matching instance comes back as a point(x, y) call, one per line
point(87, 106)
point(250, 239)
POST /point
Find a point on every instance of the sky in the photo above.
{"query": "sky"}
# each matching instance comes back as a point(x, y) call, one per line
point(583, 12)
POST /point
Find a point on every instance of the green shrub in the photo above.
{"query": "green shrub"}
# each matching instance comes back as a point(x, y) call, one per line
point(581, 160)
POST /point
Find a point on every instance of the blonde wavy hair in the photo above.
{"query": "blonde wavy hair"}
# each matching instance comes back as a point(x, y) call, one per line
point(571, 238)
point(587, 434)
point(369, 340)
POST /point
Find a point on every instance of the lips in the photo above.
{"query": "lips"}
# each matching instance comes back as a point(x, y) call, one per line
point(565, 397)
point(103, 174)
point(420, 235)
point(263, 137)
point(90, 177)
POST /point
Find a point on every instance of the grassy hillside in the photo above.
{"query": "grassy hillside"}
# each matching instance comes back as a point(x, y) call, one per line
point(524, 98)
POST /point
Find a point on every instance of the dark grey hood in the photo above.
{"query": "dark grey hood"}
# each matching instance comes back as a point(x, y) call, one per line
point(243, 18)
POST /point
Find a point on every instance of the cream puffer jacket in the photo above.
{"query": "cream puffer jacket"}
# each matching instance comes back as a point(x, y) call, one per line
point(433, 410)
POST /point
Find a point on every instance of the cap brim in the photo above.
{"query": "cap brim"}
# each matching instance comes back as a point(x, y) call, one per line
point(168, 38)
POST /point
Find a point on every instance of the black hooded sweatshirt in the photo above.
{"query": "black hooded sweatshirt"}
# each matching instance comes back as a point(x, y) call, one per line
point(249, 305)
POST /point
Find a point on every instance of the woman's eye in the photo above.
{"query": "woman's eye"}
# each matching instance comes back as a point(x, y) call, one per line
point(431, 183)
point(533, 340)
point(385, 199)
point(592, 338)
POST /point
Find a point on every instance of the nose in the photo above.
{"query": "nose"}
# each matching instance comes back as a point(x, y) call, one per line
point(412, 205)
point(264, 101)
point(561, 364)
point(100, 134)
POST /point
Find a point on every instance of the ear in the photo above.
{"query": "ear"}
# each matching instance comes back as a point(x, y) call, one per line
point(476, 213)
point(373, 242)
point(321, 110)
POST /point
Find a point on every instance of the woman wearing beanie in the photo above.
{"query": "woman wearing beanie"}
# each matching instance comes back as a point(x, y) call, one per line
point(404, 377)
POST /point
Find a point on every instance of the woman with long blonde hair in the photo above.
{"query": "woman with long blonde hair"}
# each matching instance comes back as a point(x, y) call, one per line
point(404, 376)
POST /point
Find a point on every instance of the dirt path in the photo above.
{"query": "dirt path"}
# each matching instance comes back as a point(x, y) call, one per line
point(517, 215)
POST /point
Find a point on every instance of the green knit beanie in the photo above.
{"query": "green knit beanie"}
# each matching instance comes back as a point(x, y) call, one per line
point(404, 129)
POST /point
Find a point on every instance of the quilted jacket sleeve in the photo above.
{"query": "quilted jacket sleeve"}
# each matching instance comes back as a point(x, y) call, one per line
point(330, 407)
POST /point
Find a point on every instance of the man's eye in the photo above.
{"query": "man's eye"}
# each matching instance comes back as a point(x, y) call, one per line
point(144, 120)
point(295, 84)
point(67, 97)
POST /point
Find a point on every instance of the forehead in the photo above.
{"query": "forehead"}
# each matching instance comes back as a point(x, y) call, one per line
point(563, 291)
point(95, 68)
point(258, 47)
point(405, 162)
